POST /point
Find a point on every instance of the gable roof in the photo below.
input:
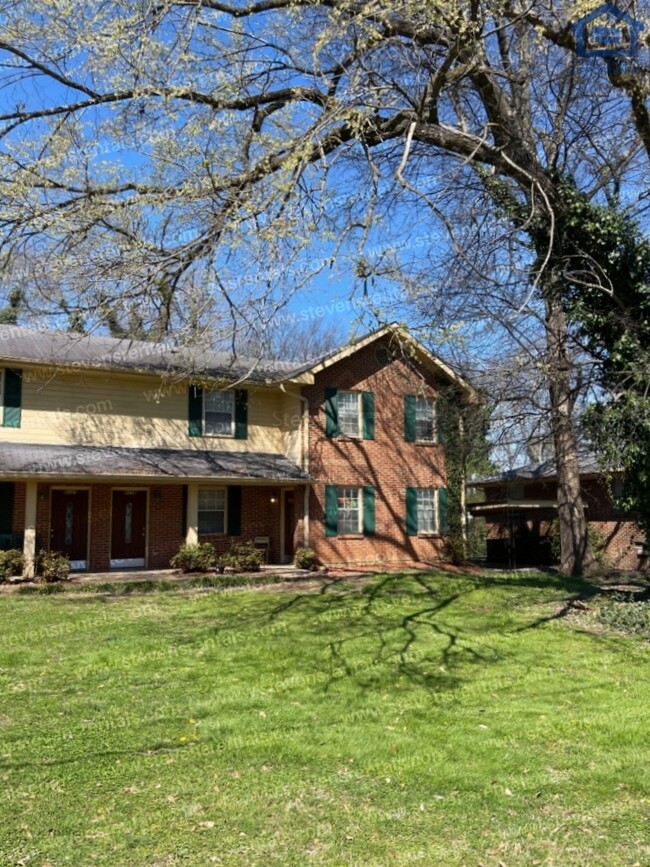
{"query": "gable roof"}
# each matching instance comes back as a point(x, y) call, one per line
point(411, 347)
point(96, 352)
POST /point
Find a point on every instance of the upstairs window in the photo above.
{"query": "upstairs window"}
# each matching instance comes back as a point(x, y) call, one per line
point(421, 423)
point(425, 419)
point(219, 413)
point(349, 414)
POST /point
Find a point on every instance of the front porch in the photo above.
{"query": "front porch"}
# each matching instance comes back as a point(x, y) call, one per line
point(108, 522)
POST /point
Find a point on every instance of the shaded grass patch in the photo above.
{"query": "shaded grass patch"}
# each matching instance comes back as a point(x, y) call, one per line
point(415, 719)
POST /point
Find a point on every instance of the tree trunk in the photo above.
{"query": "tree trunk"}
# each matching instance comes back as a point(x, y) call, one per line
point(576, 557)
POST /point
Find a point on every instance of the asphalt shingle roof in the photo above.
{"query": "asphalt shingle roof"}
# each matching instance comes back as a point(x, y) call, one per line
point(93, 461)
point(542, 470)
point(90, 350)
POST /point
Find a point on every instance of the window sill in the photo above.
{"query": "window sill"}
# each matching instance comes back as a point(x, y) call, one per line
point(349, 536)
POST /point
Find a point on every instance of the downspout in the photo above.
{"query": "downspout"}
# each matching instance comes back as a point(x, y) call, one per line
point(304, 461)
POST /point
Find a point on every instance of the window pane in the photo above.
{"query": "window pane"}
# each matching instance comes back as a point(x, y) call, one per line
point(426, 510)
point(349, 510)
point(219, 413)
point(424, 419)
point(211, 522)
point(212, 510)
point(349, 413)
point(212, 499)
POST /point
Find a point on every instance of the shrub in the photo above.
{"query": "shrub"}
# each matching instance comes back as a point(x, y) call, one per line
point(12, 563)
point(195, 558)
point(242, 557)
point(52, 566)
point(623, 614)
point(305, 558)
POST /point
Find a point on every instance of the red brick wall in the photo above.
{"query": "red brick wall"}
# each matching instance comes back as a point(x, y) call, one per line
point(18, 520)
point(42, 516)
point(100, 528)
point(620, 533)
point(259, 517)
point(166, 534)
point(388, 462)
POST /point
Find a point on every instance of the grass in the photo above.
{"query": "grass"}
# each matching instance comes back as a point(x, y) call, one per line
point(154, 585)
point(430, 719)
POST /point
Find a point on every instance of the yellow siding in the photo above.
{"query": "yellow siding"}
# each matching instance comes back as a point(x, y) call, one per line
point(91, 408)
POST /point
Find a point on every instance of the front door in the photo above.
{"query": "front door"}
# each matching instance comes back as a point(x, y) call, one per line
point(289, 525)
point(69, 526)
point(128, 529)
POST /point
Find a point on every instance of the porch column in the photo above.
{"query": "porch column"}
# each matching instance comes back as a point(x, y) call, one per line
point(305, 518)
point(29, 543)
point(192, 529)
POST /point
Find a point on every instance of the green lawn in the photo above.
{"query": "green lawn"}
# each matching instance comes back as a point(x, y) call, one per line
point(436, 720)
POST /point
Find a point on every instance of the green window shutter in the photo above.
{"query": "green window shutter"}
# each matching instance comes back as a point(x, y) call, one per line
point(368, 510)
point(440, 428)
point(411, 512)
point(442, 511)
point(368, 406)
point(234, 510)
point(241, 414)
point(195, 411)
point(12, 398)
point(331, 413)
point(6, 507)
point(331, 510)
point(409, 418)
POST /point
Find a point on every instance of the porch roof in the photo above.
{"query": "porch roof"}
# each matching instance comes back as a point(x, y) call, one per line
point(18, 460)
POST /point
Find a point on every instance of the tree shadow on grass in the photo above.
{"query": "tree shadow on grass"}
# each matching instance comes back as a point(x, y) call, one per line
point(423, 627)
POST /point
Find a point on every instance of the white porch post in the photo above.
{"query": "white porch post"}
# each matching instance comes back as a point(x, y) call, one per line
point(192, 529)
point(29, 543)
point(305, 519)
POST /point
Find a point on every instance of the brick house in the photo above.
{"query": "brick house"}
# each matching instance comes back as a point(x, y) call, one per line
point(116, 452)
point(520, 508)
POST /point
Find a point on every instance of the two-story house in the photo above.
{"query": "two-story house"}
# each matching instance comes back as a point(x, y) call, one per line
point(115, 452)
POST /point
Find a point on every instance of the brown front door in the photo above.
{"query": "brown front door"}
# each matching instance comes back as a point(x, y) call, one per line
point(289, 525)
point(128, 528)
point(69, 526)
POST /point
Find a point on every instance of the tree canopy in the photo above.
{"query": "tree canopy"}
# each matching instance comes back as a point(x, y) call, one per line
point(171, 163)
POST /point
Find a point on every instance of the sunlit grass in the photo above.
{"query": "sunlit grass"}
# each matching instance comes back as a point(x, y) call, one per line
point(410, 720)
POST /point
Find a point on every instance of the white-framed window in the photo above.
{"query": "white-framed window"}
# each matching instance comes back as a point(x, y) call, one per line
point(349, 413)
point(425, 419)
point(427, 513)
point(219, 413)
point(212, 511)
point(350, 507)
